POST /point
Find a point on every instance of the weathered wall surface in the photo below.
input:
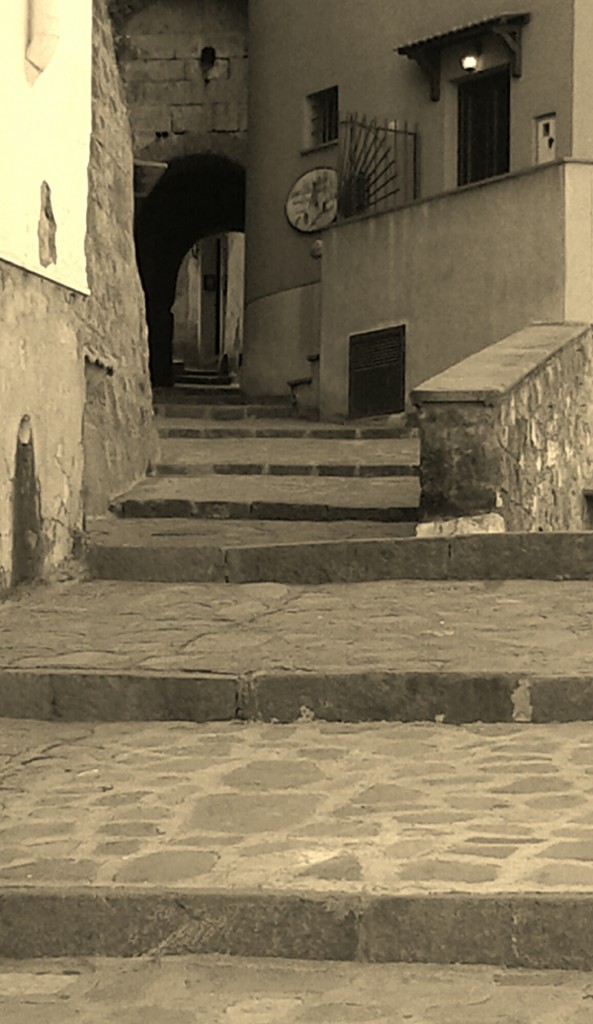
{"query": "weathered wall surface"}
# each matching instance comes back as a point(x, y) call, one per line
point(119, 434)
point(184, 65)
point(458, 270)
point(45, 155)
point(511, 430)
point(48, 334)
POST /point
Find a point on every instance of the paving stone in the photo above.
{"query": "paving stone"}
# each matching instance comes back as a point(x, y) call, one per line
point(224, 991)
point(240, 812)
point(166, 866)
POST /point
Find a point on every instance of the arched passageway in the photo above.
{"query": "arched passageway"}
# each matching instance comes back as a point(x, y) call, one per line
point(197, 197)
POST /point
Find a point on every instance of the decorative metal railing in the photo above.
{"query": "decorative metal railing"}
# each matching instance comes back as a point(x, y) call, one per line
point(378, 166)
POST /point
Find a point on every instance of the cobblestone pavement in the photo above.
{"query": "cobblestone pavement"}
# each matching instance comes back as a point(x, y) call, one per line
point(215, 990)
point(526, 626)
point(312, 807)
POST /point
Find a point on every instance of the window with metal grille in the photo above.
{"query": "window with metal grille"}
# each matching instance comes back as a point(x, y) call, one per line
point(484, 126)
point(323, 117)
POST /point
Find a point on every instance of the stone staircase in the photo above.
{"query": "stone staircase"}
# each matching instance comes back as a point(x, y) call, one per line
point(242, 482)
point(371, 757)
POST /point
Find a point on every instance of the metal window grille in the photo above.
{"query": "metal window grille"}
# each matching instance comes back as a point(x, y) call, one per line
point(324, 124)
point(378, 166)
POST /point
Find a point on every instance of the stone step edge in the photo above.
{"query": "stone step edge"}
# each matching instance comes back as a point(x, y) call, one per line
point(318, 469)
point(543, 556)
point(536, 931)
point(444, 697)
point(300, 430)
point(290, 511)
point(220, 411)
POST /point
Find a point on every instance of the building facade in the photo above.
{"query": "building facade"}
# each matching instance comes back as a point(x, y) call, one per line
point(419, 187)
point(74, 387)
point(184, 69)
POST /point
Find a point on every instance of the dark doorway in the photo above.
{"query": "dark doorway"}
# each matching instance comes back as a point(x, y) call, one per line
point(484, 126)
point(197, 197)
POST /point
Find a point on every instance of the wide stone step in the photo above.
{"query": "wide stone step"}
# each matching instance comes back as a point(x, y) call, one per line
point(286, 497)
point(211, 391)
point(288, 456)
point(235, 550)
point(186, 989)
point(309, 553)
point(281, 427)
point(413, 651)
point(316, 841)
point(188, 409)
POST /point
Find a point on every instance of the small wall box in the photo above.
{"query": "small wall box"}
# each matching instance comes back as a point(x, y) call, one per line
point(545, 138)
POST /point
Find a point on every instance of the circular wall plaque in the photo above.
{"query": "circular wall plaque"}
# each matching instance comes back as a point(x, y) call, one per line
point(312, 203)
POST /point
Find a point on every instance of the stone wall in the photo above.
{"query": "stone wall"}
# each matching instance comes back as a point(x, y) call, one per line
point(511, 430)
point(48, 334)
point(184, 65)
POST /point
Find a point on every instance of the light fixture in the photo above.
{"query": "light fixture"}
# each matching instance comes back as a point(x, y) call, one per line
point(470, 58)
point(469, 62)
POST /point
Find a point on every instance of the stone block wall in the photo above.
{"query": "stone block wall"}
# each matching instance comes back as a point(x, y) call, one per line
point(511, 430)
point(184, 65)
point(79, 452)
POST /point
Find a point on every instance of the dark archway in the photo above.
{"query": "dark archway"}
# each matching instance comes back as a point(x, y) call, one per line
point(197, 196)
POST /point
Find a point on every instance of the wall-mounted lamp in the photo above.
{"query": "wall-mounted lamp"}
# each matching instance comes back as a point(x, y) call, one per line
point(470, 59)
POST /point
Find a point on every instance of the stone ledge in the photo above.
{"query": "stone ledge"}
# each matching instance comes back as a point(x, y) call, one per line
point(489, 374)
point(507, 929)
point(450, 697)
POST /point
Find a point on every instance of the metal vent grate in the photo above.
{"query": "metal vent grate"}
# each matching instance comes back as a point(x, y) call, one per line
point(377, 372)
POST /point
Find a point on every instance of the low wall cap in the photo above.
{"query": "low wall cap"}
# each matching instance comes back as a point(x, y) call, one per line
point(487, 375)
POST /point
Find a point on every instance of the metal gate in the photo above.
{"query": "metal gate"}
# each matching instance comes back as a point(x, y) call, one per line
point(377, 372)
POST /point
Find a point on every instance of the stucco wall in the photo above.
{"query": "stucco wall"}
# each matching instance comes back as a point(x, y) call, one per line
point(461, 271)
point(48, 333)
point(174, 99)
point(352, 44)
point(511, 430)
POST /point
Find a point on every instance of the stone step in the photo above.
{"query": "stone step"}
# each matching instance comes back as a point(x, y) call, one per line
point(519, 651)
point(210, 391)
point(270, 497)
point(380, 843)
point(213, 989)
point(172, 426)
point(310, 553)
point(289, 456)
point(190, 409)
point(212, 550)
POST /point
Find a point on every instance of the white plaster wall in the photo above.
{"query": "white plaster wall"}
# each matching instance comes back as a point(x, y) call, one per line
point(578, 204)
point(45, 128)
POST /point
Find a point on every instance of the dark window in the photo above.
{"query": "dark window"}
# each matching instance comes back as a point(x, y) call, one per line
point(484, 127)
point(323, 116)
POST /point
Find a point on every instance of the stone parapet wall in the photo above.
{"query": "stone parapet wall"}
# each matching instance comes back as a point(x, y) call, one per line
point(184, 66)
point(511, 430)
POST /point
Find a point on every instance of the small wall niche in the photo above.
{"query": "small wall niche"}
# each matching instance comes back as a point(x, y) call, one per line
point(27, 534)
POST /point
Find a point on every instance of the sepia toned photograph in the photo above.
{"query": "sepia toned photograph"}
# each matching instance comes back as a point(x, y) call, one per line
point(296, 512)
